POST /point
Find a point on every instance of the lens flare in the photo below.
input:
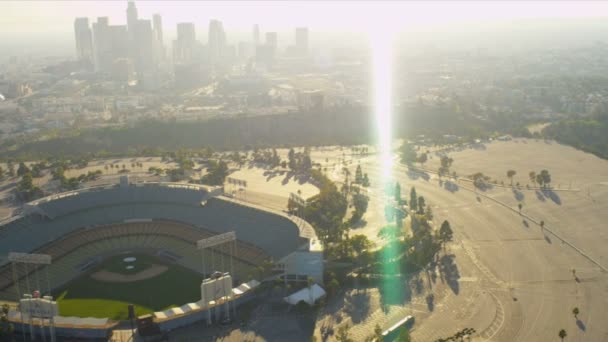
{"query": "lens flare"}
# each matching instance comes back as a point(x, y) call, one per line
point(382, 58)
point(382, 42)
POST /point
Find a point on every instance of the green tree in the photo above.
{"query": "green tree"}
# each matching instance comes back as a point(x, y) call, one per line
point(365, 182)
point(575, 312)
point(378, 337)
point(291, 156)
point(360, 202)
point(343, 334)
point(413, 199)
point(546, 177)
point(23, 169)
point(446, 163)
point(422, 158)
point(6, 327)
point(398, 193)
point(326, 211)
point(408, 154)
point(510, 175)
point(358, 175)
point(359, 244)
point(562, 334)
point(1, 172)
point(519, 205)
point(421, 204)
point(445, 232)
point(216, 173)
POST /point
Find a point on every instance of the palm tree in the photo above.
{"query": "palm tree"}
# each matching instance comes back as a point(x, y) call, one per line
point(562, 334)
point(575, 312)
point(510, 175)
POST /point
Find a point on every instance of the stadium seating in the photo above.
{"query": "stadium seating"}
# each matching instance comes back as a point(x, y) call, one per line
point(81, 225)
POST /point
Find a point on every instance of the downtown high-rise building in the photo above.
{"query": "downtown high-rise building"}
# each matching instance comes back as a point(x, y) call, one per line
point(157, 24)
point(185, 44)
point(256, 35)
point(102, 44)
point(216, 41)
point(131, 19)
point(272, 39)
point(84, 40)
point(302, 40)
point(157, 27)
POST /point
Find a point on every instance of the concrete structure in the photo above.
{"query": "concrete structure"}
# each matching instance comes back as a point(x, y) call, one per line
point(84, 40)
point(184, 45)
point(302, 41)
point(216, 42)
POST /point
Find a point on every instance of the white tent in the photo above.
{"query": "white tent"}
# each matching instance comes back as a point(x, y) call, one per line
point(307, 295)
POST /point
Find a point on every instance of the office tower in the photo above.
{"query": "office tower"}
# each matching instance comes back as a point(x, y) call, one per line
point(217, 41)
point(302, 40)
point(184, 45)
point(131, 19)
point(119, 41)
point(272, 39)
point(158, 27)
point(84, 40)
point(256, 35)
point(159, 47)
point(144, 46)
point(102, 44)
point(186, 32)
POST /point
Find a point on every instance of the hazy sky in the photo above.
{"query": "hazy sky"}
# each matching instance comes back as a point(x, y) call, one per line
point(23, 17)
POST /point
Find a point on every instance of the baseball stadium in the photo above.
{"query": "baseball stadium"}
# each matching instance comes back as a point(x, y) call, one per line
point(136, 243)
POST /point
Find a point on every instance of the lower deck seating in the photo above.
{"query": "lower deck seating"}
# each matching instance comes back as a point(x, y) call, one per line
point(82, 245)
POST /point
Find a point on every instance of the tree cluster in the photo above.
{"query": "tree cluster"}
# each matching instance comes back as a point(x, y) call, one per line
point(299, 162)
point(217, 171)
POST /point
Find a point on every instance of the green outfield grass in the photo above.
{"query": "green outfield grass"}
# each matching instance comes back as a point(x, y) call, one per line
point(87, 297)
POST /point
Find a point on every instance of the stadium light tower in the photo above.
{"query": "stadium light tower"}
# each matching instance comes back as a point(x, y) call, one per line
point(208, 244)
point(39, 261)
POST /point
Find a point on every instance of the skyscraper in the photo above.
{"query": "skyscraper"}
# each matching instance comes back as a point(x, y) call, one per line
point(302, 40)
point(159, 46)
point(217, 41)
point(102, 43)
point(272, 39)
point(131, 19)
point(84, 40)
point(184, 45)
point(157, 23)
point(256, 35)
point(144, 46)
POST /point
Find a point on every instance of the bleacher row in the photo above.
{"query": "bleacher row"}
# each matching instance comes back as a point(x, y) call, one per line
point(75, 249)
point(103, 197)
point(276, 235)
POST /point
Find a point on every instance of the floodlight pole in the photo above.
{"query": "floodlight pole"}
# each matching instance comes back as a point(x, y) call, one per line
point(34, 259)
point(209, 243)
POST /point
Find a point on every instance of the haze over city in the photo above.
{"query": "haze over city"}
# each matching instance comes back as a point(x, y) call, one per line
point(303, 171)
